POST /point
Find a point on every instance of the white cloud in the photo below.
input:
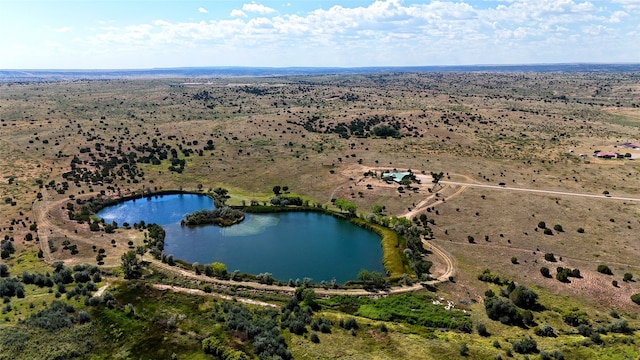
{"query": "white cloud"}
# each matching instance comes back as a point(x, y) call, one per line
point(202, 10)
point(617, 17)
point(257, 8)
point(238, 13)
point(390, 32)
point(63, 29)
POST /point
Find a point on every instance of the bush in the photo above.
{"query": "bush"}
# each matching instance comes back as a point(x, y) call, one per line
point(620, 326)
point(545, 330)
point(523, 297)
point(314, 338)
point(482, 329)
point(604, 269)
point(54, 318)
point(350, 324)
point(636, 298)
point(464, 349)
point(545, 272)
point(548, 232)
point(580, 230)
point(558, 228)
point(550, 257)
point(4, 270)
point(487, 276)
point(542, 225)
point(525, 346)
point(502, 310)
point(627, 277)
point(575, 317)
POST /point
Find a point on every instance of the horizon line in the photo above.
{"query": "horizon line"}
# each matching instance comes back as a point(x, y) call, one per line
point(320, 67)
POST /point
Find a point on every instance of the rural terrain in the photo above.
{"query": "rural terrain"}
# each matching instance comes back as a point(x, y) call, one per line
point(515, 232)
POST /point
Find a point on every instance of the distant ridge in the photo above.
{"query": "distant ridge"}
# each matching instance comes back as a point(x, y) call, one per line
point(231, 71)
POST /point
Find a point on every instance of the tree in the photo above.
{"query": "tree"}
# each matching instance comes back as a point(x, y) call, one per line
point(377, 209)
point(130, 265)
point(558, 228)
point(604, 269)
point(627, 277)
point(502, 310)
point(276, 189)
point(346, 205)
point(314, 338)
point(219, 269)
point(545, 271)
point(523, 297)
point(94, 226)
point(436, 178)
point(542, 225)
point(4, 270)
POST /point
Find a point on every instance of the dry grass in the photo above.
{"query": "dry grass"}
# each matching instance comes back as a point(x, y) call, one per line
point(487, 128)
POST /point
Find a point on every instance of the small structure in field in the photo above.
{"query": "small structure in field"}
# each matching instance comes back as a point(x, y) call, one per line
point(605, 155)
point(396, 176)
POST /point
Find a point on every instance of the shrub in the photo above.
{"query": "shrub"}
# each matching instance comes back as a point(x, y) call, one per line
point(545, 272)
point(502, 310)
point(542, 225)
point(482, 329)
point(604, 269)
point(487, 276)
point(464, 349)
point(580, 230)
point(620, 326)
point(545, 330)
point(4, 270)
point(636, 298)
point(550, 257)
point(558, 228)
point(297, 327)
point(314, 338)
point(523, 297)
point(525, 346)
point(627, 277)
point(350, 324)
point(54, 318)
point(575, 317)
point(548, 232)
point(83, 317)
point(514, 260)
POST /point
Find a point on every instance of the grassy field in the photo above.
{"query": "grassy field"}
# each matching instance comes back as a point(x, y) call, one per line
point(61, 142)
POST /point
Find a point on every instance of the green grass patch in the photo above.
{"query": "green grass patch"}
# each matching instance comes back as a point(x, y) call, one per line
point(392, 247)
point(414, 309)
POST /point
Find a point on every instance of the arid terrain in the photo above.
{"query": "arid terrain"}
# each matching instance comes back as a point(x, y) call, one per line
point(521, 179)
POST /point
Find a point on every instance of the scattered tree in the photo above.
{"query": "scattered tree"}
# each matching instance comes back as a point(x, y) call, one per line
point(130, 265)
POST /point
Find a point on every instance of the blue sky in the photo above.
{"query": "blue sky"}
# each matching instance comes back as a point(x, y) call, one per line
point(119, 34)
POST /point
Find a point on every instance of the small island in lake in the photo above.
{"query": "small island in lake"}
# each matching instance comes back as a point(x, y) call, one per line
point(225, 216)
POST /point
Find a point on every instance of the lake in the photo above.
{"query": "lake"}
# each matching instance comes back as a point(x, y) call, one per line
point(291, 245)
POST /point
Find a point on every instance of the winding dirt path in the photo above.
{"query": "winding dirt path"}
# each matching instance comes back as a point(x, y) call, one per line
point(290, 290)
point(219, 296)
